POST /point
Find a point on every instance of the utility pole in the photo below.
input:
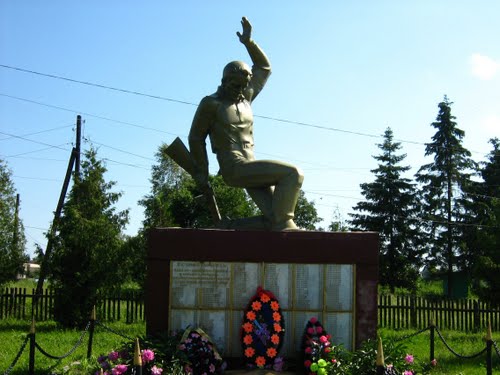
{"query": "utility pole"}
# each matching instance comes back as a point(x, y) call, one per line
point(15, 236)
point(78, 145)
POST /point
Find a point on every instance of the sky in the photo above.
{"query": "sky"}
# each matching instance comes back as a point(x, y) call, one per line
point(343, 72)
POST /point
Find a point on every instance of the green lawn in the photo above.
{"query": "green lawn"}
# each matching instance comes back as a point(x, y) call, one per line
point(465, 344)
point(57, 342)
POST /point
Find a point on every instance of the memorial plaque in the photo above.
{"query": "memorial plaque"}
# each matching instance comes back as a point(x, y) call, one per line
point(213, 296)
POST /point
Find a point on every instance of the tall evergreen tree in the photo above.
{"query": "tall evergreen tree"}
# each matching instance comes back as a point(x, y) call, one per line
point(487, 197)
point(390, 209)
point(442, 181)
point(12, 239)
point(86, 257)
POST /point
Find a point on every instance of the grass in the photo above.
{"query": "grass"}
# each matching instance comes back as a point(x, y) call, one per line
point(465, 344)
point(57, 341)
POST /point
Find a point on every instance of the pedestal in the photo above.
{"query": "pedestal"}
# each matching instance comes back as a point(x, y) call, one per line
point(205, 278)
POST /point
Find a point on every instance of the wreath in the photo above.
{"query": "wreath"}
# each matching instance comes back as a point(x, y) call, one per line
point(201, 353)
point(262, 331)
point(315, 346)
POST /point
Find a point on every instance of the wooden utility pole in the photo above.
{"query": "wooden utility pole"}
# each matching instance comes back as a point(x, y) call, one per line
point(15, 236)
point(78, 144)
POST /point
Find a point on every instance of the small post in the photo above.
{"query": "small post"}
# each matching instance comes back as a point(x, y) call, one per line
point(91, 332)
point(433, 327)
point(137, 358)
point(489, 344)
point(380, 358)
point(32, 348)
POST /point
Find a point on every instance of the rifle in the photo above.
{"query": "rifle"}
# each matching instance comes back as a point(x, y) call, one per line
point(179, 153)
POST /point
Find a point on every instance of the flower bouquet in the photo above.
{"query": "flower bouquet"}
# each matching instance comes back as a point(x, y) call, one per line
point(202, 357)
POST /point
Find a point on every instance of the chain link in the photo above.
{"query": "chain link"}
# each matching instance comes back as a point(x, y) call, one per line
point(454, 352)
point(23, 346)
point(71, 351)
point(113, 331)
point(412, 334)
point(496, 348)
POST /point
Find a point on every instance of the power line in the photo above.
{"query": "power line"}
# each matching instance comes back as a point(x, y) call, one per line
point(31, 140)
point(127, 91)
point(87, 114)
point(39, 132)
point(97, 85)
point(39, 150)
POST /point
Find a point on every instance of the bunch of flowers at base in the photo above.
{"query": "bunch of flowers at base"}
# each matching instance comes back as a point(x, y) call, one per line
point(262, 332)
point(319, 355)
point(202, 357)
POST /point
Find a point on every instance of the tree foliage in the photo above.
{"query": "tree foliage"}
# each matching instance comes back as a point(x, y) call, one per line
point(87, 250)
point(390, 209)
point(306, 215)
point(12, 239)
point(446, 209)
point(487, 196)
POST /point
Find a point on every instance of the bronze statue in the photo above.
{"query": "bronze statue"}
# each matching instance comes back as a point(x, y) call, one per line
point(226, 117)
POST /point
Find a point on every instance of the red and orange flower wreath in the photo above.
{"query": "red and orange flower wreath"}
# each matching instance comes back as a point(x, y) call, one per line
point(262, 331)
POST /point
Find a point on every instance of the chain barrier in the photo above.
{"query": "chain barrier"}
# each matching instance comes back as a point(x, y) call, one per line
point(496, 348)
point(113, 331)
point(454, 352)
point(23, 346)
point(412, 334)
point(71, 351)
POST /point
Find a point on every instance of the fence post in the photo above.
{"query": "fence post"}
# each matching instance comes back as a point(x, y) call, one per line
point(91, 332)
point(380, 358)
point(137, 359)
point(32, 348)
point(477, 322)
point(413, 311)
point(489, 344)
point(432, 326)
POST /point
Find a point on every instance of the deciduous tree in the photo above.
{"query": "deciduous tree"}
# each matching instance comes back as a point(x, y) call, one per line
point(12, 239)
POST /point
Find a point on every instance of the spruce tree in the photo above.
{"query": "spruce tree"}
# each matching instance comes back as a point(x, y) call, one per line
point(87, 255)
point(446, 210)
point(390, 209)
point(487, 198)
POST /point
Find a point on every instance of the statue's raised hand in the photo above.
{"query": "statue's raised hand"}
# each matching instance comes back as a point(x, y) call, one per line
point(246, 36)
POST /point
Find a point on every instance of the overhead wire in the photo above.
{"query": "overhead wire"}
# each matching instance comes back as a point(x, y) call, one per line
point(159, 97)
point(167, 99)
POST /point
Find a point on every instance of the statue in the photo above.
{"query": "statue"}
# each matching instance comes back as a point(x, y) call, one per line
point(226, 117)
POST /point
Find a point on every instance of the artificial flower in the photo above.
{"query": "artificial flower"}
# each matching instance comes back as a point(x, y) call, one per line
point(147, 355)
point(260, 361)
point(249, 352)
point(247, 339)
point(256, 305)
point(251, 315)
point(271, 352)
point(409, 358)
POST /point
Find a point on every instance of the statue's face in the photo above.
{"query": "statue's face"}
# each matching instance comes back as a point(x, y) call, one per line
point(235, 86)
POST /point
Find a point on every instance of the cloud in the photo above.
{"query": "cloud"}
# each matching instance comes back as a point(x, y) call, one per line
point(491, 123)
point(483, 67)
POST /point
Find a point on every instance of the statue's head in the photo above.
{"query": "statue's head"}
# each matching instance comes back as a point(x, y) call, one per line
point(235, 78)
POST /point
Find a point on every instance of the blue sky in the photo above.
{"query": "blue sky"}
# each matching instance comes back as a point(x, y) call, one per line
point(342, 73)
